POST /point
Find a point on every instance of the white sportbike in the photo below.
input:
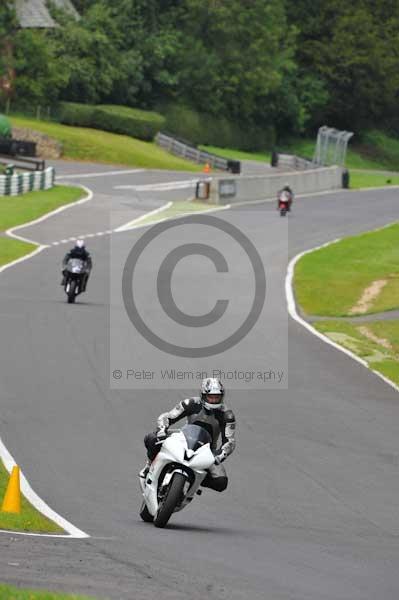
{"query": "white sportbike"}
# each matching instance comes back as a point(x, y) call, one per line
point(176, 474)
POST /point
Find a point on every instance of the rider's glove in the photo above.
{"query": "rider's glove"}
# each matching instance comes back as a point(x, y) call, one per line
point(161, 434)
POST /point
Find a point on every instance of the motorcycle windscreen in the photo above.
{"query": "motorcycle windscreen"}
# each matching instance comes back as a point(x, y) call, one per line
point(196, 436)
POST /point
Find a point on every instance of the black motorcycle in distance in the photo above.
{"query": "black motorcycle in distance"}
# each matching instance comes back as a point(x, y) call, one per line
point(75, 278)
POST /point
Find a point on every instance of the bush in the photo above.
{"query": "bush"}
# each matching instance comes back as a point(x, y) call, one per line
point(137, 123)
point(140, 124)
point(205, 129)
point(80, 115)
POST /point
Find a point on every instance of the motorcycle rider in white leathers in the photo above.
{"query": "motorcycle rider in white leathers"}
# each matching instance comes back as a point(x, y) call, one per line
point(210, 412)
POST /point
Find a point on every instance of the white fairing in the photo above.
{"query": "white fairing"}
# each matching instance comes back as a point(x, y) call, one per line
point(174, 450)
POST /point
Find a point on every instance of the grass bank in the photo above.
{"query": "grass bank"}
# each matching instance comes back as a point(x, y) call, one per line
point(8, 592)
point(331, 281)
point(80, 143)
point(358, 275)
point(369, 179)
point(376, 342)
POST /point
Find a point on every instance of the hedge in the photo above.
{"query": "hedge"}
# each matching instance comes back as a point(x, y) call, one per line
point(140, 124)
point(80, 115)
point(178, 120)
point(137, 123)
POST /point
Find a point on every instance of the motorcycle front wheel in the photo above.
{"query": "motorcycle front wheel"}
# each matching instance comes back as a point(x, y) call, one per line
point(145, 513)
point(71, 292)
point(173, 497)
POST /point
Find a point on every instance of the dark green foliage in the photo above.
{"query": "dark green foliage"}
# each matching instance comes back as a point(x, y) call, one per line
point(351, 48)
point(73, 113)
point(140, 124)
point(40, 70)
point(5, 127)
point(241, 68)
point(207, 129)
point(118, 119)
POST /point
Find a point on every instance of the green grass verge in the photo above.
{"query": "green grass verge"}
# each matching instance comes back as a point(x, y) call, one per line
point(378, 356)
point(178, 209)
point(85, 144)
point(238, 154)
point(29, 519)
point(16, 210)
point(330, 281)
point(12, 249)
point(361, 179)
point(8, 592)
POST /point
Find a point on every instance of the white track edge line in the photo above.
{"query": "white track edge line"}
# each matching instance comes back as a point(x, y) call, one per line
point(291, 304)
point(10, 232)
point(8, 460)
point(132, 223)
point(101, 174)
point(25, 257)
point(38, 503)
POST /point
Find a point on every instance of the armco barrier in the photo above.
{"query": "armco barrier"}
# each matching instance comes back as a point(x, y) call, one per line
point(190, 152)
point(13, 185)
point(247, 189)
point(292, 162)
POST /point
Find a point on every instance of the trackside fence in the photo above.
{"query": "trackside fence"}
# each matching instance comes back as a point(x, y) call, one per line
point(184, 150)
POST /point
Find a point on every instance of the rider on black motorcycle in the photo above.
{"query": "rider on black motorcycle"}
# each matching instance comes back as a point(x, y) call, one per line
point(78, 251)
point(209, 412)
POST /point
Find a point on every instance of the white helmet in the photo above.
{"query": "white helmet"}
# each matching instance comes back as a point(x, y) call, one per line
point(212, 387)
point(80, 244)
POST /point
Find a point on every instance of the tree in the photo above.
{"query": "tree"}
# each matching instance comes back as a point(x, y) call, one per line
point(351, 48)
point(8, 25)
point(39, 76)
point(235, 56)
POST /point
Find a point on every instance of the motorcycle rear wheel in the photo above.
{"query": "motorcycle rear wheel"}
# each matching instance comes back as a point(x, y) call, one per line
point(172, 499)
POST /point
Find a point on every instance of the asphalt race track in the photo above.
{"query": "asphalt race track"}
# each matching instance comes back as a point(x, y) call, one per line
point(311, 512)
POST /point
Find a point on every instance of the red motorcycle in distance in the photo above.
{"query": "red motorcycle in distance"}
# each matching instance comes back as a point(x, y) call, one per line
point(284, 202)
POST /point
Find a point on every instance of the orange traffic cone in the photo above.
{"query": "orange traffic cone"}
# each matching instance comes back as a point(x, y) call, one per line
point(207, 168)
point(12, 498)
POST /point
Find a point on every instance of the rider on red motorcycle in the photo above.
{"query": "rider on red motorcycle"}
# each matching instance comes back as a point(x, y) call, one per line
point(287, 189)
